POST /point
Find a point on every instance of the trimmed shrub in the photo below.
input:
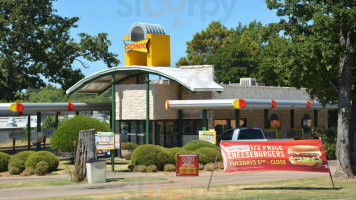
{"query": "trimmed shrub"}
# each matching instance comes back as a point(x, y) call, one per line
point(210, 167)
point(130, 167)
point(14, 170)
point(197, 144)
point(28, 172)
point(18, 164)
point(65, 137)
point(41, 168)
point(128, 146)
point(174, 150)
point(23, 155)
point(202, 157)
point(201, 166)
point(140, 168)
point(220, 165)
point(169, 168)
point(4, 161)
point(39, 156)
point(152, 168)
point(149, 154)
point(210, 153)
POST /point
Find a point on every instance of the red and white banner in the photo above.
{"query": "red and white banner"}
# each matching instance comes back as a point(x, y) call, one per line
point(291, 155)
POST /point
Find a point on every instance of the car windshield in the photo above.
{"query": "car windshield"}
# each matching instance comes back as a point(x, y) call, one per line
point(250, 134)
point(227, 135)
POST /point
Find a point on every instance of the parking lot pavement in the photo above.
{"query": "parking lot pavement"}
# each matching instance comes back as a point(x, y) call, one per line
point(219, 178)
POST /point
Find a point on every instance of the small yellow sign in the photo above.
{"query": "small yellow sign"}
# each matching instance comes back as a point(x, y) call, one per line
point(209, 136)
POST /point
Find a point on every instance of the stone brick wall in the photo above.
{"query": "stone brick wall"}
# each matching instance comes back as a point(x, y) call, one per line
point(261, 92)
point(205, 72)
point(131, 101)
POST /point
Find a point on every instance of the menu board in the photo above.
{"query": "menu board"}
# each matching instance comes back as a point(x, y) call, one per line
point(296, 133)
point(48, 132)
point(271, 133)
point(187, 165)
point(17, 134)
point(104, 140)
point(209, 136)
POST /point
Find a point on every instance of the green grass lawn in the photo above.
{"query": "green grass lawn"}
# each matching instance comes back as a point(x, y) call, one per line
point(37, 184)
point(307, 188)
point(68, 182)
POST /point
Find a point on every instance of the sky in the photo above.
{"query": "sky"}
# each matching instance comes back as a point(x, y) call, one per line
point(180, 18)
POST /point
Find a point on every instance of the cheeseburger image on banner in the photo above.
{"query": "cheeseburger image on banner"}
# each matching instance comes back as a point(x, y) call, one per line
point(305, 155)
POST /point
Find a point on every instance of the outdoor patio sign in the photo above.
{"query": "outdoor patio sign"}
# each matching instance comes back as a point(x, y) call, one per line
point(36, 136)
point(117, 141)
point(105, 141)
point(209, 136)
point(48, 132)
point(187, 165)
point(290, 155)
point(17, 134)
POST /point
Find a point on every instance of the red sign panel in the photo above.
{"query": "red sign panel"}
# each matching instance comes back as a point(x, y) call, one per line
point(291, 155)
point(187, 165)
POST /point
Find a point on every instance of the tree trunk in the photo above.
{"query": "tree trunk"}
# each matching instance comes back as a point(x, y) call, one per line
point(353, 137)
point(85, 151)
point(343, 151)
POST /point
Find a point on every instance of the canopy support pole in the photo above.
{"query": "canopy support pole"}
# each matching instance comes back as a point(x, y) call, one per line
point(38, 144)
point(147, 108)
point(29, 132)
point(205, 120)
point(237, 118)
point(315, 118)
point(112, 152)
point(266, 118)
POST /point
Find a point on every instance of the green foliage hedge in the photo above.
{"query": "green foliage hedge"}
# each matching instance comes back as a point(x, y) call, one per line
point(42, 168)
point(174, 150)
point(46, 156)
point(18, 164)
point(150, 154)
point(128, 146)
point(197, 144)
point(210, 154)
point(4, 161)
point(329, 138)
point(65, 137)
point(23, 155)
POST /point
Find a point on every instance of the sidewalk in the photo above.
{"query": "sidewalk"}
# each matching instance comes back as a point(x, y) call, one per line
point(219, 178)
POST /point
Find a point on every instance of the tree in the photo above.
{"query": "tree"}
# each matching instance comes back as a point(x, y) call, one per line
point(321, 57)
point(48, 94)
point(236, 60)
point(271, 66)
point(206, 43)
point(35, 44)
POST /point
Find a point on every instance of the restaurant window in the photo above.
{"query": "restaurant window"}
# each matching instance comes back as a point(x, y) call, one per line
point(192, 126)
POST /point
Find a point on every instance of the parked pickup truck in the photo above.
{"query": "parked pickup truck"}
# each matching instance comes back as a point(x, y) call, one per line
point(243, 134)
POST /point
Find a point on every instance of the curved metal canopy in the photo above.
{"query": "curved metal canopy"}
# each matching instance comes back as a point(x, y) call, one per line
point(101, 81)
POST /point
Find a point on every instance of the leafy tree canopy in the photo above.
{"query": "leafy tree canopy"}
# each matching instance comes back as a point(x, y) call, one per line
point(206, 43)
point(321, 57)
point(35, 44)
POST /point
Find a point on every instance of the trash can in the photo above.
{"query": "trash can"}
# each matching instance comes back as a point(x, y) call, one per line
point(96, 171)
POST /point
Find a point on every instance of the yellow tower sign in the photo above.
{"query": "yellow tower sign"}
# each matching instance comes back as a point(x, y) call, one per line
point(147, 45)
